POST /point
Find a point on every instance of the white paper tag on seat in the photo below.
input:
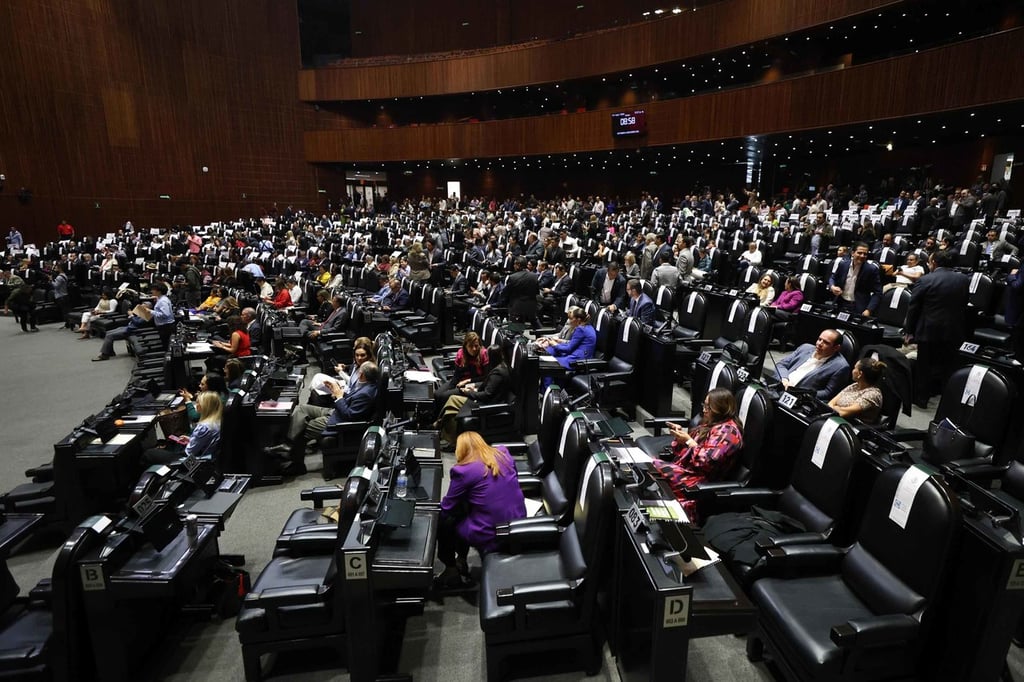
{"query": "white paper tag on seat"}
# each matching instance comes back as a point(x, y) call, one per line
point(973, 385)
point(828, 429)
point(732, 310)
point(912, 480)
point(715, 373)
point(748, 396)
point(896, 294)
point(690, 300)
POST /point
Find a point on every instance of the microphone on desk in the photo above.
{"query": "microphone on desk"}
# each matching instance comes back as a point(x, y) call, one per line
point(397, 426)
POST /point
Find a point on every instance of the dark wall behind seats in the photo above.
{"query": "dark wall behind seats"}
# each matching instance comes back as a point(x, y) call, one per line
point(110, 103)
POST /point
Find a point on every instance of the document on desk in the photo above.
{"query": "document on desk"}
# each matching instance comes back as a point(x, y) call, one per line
point(138, 419)
point(119, 439)
point(665, 510)
point(690, 567)
point(420, 377)
point(533, 506)
point(197, 347)
point(276, 405)
point(631, 455)
point(424, 453)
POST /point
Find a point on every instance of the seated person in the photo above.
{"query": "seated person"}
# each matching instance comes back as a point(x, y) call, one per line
point(493, 388)
point(281, 299)
point(238, 346)
point(309, 421)
point(819, 367)
point(640, 304)
point(396, 298)
point(362, 352)
point(471, 363)
point(215, 297)
point(581, 343)
point(764, 290)
point(907, 274)
point(707, 453)
point(135, 322)
point(334, 318)
point(561, 336)
point(210, 382)
point(862, 399)
point(204, 439)
point(233, 371)
point(788, 302)
point(106, 305)
point(484, 493)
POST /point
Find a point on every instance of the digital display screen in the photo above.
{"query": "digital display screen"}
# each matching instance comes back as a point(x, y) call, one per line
point(629, 123)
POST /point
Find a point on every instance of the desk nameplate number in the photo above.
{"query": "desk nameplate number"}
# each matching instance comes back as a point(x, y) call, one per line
point(968, 347)
point(92, 577)
point(788, 400)
point(191, 463)
point(843, 317)
point(144, 506)
point(355, 566)
point(806, 308)
point(704, 358)
point(742, 374)
point(635, 518)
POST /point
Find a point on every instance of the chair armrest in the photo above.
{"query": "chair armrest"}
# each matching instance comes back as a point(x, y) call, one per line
point(710, 489)
point(530, 485)
point(591, 365)
point(975, 470)
point(42, 592)
point(879, 630)
point(695, 342)
point(275, 597)
point(535, 593)
point(493, 408)
point(656, 423)
point(908, 435)
point(791, 540)
point(336, 429)
point(606, 377)
point(320, 493)
point(799, 560)
point(313, 542)
point(533, 533)
point(513, 447)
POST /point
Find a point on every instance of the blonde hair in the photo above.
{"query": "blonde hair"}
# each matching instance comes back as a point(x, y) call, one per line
point(210, 407)
point(471, 447)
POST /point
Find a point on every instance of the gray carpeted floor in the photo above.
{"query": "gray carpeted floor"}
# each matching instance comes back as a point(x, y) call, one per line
point(50, 384)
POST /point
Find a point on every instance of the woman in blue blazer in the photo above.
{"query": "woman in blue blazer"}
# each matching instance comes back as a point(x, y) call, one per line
point(582, 340)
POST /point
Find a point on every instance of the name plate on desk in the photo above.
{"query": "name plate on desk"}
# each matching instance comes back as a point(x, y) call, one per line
point(843, 317)
point(704, 357)
point(788, 400)
point(276, 405)
point(733, 292)
point(635, 518)
point(968, 347)
point(806, 308)
point(742, 374)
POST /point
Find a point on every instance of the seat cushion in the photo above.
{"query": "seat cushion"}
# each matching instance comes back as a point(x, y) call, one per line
point(303, 518)
point(801, 614)
point(24, 636)
point(504, 571)
point(653, 445)
point(29, 491)
point(284, 572)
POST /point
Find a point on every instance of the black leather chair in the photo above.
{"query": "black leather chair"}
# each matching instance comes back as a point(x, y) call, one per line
point(861, 612)
point(806, 511)
point(539, 591)
point(979, 400)
point(498, 421)
point(296, 603)
point(610, 382)
point(692, 313)
point(892, 315)
point(537, 462)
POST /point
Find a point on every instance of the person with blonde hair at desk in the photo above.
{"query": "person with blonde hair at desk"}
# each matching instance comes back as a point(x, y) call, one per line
point(204, 439)
point(484, 493)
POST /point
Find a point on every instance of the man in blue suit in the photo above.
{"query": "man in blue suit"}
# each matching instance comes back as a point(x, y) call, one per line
point(819, 367)
point(856, 283)
point(640, 304)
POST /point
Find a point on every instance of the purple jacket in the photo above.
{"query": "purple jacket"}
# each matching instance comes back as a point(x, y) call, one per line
point(789, 301)
point(491, 500)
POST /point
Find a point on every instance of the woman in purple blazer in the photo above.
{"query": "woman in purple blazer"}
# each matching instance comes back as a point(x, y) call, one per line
point(484, 493)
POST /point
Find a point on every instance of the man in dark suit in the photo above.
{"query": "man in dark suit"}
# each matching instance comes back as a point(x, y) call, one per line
point(521, 291)
point(460, 285)
point(553, 253)
point(253, 329)
point(309, 421)
point(336, 321)
point(545, 276)
point(857, 283)
point(609, 288)
point(1014, 312)
point(819, 367)
point(935, 322)
point(640, 304)
point(396, 297)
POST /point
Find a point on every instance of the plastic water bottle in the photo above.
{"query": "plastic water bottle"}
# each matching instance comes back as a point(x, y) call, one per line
point(402, 485)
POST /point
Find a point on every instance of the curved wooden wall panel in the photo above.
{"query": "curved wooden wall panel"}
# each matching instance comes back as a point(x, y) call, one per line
point(721, 26)
point(967, 74)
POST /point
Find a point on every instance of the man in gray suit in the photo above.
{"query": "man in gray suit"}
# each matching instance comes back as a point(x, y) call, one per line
point(819, 367)
point(995, 248)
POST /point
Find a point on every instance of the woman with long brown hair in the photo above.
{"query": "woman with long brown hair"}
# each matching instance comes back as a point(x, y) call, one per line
point(484, 493)
point(708, 452)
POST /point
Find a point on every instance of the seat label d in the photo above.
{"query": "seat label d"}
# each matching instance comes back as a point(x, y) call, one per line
point(677, 611)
